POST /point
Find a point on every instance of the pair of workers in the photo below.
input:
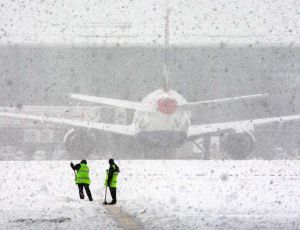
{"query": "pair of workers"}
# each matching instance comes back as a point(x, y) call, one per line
point(82, 179)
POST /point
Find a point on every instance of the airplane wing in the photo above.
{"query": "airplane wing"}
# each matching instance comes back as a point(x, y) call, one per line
point(120, 129)
point(190, 105)
point(115, 102)
point(198, 130)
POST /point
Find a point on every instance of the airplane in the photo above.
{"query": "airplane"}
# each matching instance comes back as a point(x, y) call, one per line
point(163, 119)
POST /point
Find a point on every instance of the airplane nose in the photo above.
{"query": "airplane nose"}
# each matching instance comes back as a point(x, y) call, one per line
point(167, 106)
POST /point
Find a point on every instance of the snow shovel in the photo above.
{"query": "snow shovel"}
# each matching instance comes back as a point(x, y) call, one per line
point(105, 202)
point(73, 169)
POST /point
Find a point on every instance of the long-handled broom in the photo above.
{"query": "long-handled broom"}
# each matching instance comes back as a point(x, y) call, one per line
point(105, 196)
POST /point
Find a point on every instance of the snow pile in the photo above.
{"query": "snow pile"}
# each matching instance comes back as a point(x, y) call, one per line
point(161, 194)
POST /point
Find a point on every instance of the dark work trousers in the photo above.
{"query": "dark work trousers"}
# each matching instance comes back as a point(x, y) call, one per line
point(113, 193)
point(87, 190)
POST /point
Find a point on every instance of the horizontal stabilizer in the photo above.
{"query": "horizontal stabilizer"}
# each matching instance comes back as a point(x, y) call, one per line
point(115, 102)
point(188, 106)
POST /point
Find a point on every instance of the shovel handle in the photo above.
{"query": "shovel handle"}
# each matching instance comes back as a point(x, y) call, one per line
point(74, 173)
point(105, 195)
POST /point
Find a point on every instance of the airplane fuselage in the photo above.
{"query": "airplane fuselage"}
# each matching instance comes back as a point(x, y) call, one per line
point(167, 126)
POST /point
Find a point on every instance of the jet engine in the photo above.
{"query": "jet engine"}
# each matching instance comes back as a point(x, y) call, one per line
point(238, 145)
point(79, 142)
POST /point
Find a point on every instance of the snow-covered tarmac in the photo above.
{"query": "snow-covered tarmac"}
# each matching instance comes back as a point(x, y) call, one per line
point(173, 194)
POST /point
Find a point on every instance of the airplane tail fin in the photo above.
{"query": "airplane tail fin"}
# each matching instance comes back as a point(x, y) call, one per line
point(166, 78)
point(166, 50)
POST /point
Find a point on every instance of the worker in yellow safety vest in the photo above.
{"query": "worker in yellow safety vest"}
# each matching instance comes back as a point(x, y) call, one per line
point(111, 180)
point(82, 178)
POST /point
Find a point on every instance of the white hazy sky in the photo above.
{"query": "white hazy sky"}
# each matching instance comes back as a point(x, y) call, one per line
point(143, 21)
